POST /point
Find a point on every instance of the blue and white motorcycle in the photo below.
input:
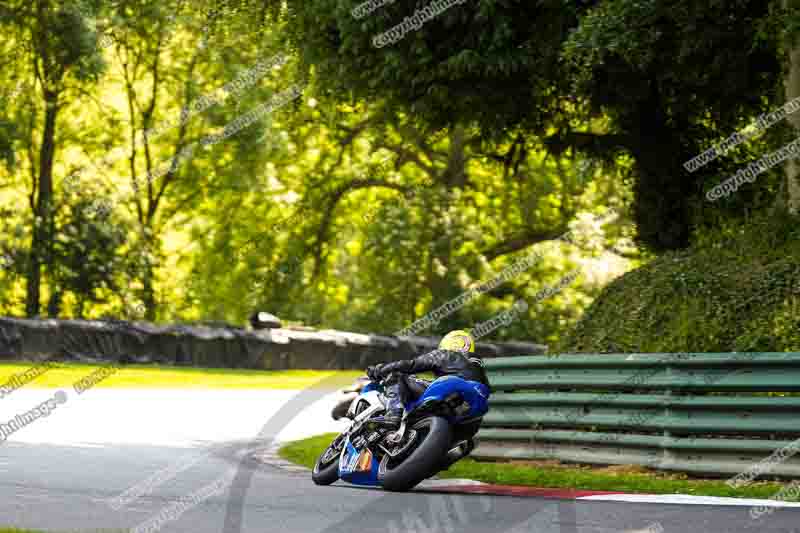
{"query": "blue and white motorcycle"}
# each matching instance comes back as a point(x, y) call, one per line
point(436, 430)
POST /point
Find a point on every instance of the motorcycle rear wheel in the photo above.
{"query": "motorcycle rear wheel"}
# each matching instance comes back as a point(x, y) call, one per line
point(436, 438)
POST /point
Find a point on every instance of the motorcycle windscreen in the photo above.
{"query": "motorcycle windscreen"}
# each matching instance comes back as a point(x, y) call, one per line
point(359, 467)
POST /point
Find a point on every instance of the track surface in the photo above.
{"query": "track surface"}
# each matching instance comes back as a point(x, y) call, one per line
point(66, 485)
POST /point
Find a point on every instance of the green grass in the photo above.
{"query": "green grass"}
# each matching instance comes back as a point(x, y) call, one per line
point(147, 376)
point(305, 452)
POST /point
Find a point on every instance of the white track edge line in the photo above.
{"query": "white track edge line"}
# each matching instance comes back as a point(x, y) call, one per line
point(687, 499)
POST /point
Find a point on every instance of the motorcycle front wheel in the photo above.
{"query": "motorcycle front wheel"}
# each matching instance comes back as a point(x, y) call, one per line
point(434, 436)
point(326, 470)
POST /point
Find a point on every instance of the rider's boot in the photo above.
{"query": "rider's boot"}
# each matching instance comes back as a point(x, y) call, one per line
point(394, 405)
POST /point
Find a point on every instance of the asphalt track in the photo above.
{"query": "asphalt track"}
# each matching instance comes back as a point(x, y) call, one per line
point(57, 483)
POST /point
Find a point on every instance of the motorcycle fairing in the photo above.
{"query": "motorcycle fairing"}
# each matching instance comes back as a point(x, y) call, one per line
point(476, 396)
point(359, 467)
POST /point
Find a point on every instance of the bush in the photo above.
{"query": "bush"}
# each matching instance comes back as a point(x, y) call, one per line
point(736, 289)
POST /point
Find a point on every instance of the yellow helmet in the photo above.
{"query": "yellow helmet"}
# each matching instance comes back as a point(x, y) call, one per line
point(458, 341)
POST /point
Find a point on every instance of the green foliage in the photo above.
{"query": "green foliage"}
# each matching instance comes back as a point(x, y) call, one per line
point(670, 78)
point(370, 231)
point(89, 254)
point(735, 290)
point(332, 211)
point(7, 135)
point(473, 63)
point(74, 41)
point(13, 256)
point(678, 77)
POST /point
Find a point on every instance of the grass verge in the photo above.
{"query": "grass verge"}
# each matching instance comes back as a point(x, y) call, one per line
point(549, 475)
point(149, 376)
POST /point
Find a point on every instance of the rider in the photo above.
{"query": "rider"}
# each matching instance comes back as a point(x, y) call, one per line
point(454, 357)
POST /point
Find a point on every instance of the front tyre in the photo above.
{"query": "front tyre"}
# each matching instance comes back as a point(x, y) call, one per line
point(436, 435)
point(326, 469)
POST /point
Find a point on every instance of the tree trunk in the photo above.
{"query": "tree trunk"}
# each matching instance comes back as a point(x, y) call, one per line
point(54, 305)
point(456, 174)
point(663, 191)
point(792, 86)
point(42, 239)
point(148, 281)
point(149, 294)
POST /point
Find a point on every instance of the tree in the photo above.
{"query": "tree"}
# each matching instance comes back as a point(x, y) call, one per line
point(60, 44)
point(671, 77)
point(675, 77)
point(179, 81)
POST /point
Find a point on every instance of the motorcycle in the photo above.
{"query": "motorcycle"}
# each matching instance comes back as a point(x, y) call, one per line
point(436, 430)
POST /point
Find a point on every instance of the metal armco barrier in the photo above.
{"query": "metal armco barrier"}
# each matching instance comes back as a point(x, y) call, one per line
point(690, 412)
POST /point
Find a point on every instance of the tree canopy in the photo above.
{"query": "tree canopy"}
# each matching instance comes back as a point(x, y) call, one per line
point(669, 78)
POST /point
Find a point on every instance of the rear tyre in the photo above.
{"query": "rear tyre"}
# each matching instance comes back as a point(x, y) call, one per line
point(326, 470)
point(436, 435)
